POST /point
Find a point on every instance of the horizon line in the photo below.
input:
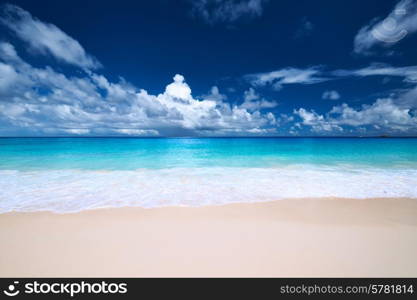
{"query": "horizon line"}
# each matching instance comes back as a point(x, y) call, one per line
point(212, 137)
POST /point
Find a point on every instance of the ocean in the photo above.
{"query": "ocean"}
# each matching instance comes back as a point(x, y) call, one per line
point(74, 174)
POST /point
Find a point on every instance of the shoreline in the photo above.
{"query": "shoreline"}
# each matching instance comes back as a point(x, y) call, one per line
point(285, 238)
point(185, 206)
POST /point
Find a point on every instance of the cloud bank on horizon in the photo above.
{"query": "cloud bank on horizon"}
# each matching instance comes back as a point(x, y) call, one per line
point(43, 101)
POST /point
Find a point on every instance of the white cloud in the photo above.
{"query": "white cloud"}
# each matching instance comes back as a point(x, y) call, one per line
point(408, 99)
point(317, 122)
point(215, 95)
point(179, 89)
point(137, 132)
point(40, 100)
point(331, 95)
point(284, 118)
point(401, 22)
point(313, 75)
point(46, 38)
point(285, 76)
point(7, 76)
point(227, 11)
point(252, 101)
point(383, 114)
point(78, 131)
point(408, 72)
point(43, 101)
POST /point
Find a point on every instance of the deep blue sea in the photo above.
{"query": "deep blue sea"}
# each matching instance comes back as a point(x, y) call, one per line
point(72, 174)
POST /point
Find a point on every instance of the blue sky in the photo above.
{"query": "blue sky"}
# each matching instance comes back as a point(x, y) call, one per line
point(208, 68)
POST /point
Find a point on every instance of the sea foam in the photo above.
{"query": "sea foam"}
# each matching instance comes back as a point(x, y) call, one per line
point(76, 190)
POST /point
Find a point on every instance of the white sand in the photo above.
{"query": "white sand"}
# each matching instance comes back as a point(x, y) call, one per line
point(308, 237)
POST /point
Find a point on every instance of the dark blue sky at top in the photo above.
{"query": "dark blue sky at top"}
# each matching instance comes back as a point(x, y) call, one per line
point(148, 42)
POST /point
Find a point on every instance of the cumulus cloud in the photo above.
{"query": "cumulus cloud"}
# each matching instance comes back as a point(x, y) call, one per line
point(43, 101)
point(408, 99)
point(331, 95)
point(286, 76)
point(384, 114)
point(317, 122)
point(227, 11)
point(394, 114)
point(46, 38)
point(252, 101)
point(7, 76)
point(215, 95)
point(398, 24)
point(179, 89)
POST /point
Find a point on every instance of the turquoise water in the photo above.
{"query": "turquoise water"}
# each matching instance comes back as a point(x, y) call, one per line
point(157, 153)
point(74, 174)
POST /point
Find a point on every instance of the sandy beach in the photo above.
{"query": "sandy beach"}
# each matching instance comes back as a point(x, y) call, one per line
point(302, 237)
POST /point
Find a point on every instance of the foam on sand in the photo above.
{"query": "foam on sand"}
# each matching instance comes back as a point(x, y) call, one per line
point(76, 190)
